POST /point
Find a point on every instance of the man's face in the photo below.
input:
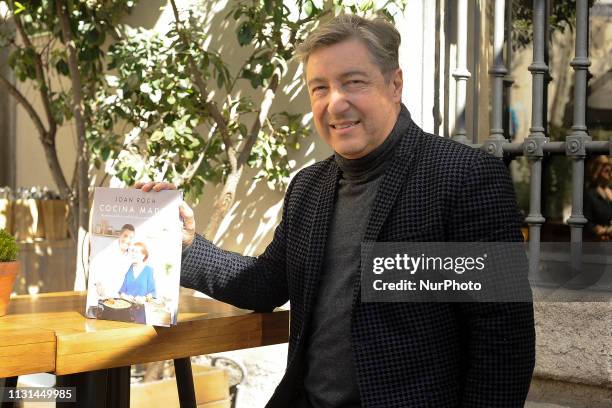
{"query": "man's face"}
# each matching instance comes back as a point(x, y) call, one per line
point(125, 239)
point(354, 107)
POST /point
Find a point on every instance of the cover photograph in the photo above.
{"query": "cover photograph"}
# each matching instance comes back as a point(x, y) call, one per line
point(135, 256)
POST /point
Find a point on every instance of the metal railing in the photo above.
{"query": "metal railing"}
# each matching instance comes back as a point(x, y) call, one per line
point(577, 145)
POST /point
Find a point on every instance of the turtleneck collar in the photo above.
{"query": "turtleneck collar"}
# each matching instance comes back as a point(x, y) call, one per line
point(374, 163)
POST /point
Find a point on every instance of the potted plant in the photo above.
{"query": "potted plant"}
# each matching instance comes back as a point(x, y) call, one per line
point(9, 268)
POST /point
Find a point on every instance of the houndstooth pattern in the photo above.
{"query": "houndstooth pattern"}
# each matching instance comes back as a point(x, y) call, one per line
point(405, 354)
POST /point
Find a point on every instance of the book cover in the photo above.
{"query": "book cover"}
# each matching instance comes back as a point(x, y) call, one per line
point(135, 256)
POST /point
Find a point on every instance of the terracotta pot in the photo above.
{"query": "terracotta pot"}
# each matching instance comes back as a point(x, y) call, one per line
point(8, 273)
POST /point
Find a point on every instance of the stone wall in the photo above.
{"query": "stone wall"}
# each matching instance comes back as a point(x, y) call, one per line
point(574, 354)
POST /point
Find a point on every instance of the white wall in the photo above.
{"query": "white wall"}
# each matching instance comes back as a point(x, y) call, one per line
point(417, 60)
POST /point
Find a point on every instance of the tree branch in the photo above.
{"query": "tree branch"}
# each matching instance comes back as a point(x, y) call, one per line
point(211, 106)
point(47, 140)
point(300, 23)
point(77, 108)
point(266, 104)
point(237, 77)
point(269, 96)
point(27, 106)
point(40, 75)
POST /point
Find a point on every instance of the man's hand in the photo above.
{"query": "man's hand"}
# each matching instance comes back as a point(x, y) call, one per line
point(185, 211)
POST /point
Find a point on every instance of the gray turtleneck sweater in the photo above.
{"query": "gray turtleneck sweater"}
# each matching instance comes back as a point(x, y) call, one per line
point(329, 377)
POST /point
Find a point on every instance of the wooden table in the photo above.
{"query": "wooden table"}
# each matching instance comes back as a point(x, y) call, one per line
point(25, 350)
point(48, 332)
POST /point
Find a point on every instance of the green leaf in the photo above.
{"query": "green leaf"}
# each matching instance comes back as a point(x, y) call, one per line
point(267, 71)
point(169, 133)
point(156, 136)
point(89, 54)
point(106, 152)
point(19, 8)
point(62, 67)
point(256, 82)
point(94, 37)
point(309, 8)
point(245, 33)
point(243, 129)
point(8, 247)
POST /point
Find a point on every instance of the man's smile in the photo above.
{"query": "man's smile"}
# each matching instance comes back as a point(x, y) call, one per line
point(344, 124)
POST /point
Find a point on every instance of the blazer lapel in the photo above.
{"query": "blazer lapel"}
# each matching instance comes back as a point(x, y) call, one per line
point(318, 232)
point(391, 183)
point(390, 186)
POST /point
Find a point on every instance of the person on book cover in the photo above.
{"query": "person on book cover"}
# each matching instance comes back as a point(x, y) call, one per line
point(110, 269)
point(138, 281)
point(387, 181)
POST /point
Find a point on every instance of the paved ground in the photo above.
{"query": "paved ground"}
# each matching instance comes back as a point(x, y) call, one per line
point(265, 367)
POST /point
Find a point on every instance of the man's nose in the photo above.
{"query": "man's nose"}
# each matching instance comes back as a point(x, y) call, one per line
point(338, 101)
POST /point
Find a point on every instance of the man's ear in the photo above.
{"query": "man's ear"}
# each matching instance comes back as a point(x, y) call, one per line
point(397, 82)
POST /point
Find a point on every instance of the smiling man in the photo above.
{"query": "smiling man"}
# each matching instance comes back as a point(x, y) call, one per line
point(387, 181)
point(354, 104)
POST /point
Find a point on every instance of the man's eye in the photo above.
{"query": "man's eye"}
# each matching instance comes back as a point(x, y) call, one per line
point(318, 89)
point(355, 82)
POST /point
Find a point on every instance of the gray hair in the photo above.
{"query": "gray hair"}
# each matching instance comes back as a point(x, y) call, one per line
point(380, 37)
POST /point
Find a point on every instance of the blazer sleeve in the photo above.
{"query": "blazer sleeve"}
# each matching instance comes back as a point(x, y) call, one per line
point(254, 283)
point(501, 336)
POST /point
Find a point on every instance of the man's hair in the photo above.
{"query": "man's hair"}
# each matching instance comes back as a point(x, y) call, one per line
point(127, 227)
point(380, 37)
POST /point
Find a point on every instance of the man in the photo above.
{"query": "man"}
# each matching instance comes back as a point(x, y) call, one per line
point(387, 181)
point(112, 267)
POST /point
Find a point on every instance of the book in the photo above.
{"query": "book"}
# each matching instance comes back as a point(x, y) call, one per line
point(135, 256)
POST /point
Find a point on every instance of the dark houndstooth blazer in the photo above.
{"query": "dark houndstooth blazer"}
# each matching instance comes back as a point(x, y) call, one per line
point(405, 354)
